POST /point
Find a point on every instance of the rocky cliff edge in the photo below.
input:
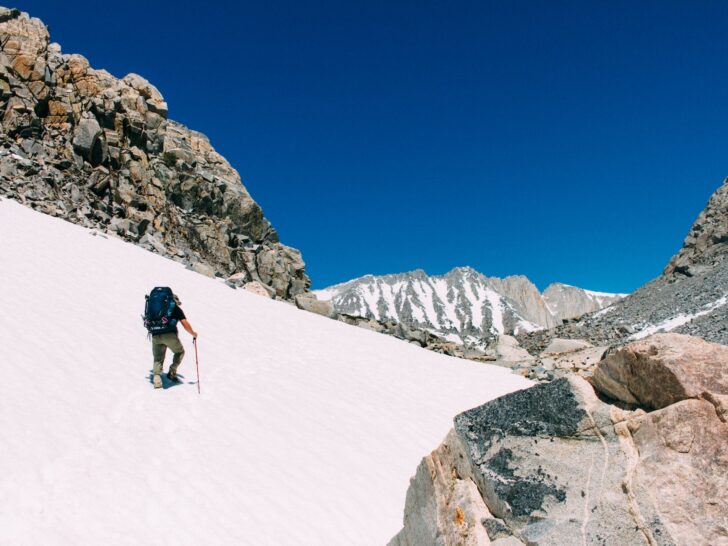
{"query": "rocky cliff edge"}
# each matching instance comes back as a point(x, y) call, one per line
point(78, 143)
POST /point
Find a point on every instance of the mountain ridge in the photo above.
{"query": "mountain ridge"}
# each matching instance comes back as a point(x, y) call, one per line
point(462, 304)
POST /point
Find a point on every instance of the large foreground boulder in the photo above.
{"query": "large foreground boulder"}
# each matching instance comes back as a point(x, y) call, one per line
point(543, 456)
point(443, 503)
point(555, 465)
point(664, 369)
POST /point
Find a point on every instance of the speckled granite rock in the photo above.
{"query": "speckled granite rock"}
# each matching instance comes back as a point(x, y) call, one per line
point(443, 504)
point(555, 465)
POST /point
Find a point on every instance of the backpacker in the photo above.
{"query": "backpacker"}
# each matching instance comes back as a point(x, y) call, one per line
point(158, 311)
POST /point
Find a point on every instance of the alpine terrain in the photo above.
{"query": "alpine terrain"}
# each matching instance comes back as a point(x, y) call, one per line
point(78, 143)
point(690, 297)
point(623, 443)
point(288, 427)
point(463, 305)
point(306, 430)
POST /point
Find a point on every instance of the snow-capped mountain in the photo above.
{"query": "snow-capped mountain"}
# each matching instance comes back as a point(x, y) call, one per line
point(463, 305)
point(306, 431)
point(567, 302)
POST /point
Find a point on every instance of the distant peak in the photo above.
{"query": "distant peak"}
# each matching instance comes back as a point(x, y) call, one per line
point(462, 270)
point(555, 285)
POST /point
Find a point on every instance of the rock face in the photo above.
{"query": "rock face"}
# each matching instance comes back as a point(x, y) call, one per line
point(707, 242)
point(462, 306)
point(683, 367)
point(556, 465)
point(568, 302)
point(696, 305)
point(505, 348)
point(308, 302)
point(80, 144)
point(443, 503)
point(690, 297)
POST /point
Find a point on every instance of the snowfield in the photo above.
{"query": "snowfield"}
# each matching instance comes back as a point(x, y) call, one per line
point(306, 432)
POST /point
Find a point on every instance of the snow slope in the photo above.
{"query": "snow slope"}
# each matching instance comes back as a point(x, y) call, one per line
point(306, 432)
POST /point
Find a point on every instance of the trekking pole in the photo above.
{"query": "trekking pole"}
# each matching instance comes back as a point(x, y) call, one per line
point(197, 364)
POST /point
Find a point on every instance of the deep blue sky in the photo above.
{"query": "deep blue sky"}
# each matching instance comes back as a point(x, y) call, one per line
point(567, 141)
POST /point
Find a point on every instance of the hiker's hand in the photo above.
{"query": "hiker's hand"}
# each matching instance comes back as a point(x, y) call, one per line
point(194, 335)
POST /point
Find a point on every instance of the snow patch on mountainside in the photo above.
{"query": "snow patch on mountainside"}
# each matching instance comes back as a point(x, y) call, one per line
point(672, 323)
point(603, 298)
point(306, 432)
point(496, 308)
point(463, 305)
point(604, 311)
point(526, 326)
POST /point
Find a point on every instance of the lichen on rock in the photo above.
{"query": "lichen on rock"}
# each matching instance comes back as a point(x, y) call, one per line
point(556, 465)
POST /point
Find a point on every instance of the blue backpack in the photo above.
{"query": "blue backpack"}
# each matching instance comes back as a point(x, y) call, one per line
point(158, 311)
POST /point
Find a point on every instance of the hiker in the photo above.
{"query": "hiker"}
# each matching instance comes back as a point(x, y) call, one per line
point(161, 314)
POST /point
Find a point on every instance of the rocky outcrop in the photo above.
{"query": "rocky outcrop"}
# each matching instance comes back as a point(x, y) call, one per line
point(78, 143)
point(696, 305)
point(690, 297)
point(557, 465)
point(308, 302)
point(506, 349)
point(707, 242)
point(258, 288)
point(443, 504)
point(561, 346)
point(683, 367)
point(581, 362)
point(416, 336)
point(561, 357)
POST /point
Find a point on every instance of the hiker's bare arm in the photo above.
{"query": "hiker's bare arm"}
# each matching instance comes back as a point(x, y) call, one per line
point(187, 327)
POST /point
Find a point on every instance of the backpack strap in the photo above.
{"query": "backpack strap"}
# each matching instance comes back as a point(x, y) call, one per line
point(171, 304)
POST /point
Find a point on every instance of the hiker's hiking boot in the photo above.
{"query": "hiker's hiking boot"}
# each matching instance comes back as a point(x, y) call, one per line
point(172, 376)
point(157, 382)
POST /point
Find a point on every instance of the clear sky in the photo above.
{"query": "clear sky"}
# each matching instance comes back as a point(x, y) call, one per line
point(567, 141)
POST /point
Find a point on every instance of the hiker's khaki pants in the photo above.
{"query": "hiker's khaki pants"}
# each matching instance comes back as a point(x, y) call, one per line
point(159, 350)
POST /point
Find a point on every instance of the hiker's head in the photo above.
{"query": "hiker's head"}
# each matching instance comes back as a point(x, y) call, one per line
point(176, 299)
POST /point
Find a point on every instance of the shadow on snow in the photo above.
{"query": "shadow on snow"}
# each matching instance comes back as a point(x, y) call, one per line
point(166, 383)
